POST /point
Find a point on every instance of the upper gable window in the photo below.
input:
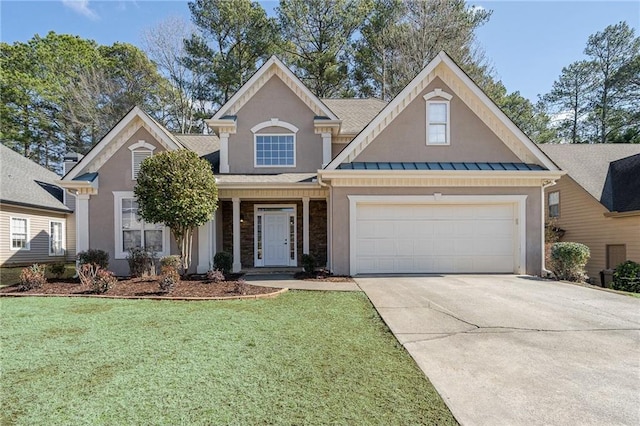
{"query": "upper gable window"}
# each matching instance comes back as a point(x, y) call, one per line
point(139, 151)
point(275, 149)
point(438, 117)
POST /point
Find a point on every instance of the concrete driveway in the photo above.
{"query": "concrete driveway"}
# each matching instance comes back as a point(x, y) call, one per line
point(508, 350)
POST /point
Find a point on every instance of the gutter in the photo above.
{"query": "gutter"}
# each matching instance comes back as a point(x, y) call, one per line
point(35, 206)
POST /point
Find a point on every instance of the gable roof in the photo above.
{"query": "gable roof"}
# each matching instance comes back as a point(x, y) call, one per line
point(163, 135)
point(444, 67)
point(25, 183)
point(270, 68)
point(206, 146)
point(354, 113)
point(595, 168)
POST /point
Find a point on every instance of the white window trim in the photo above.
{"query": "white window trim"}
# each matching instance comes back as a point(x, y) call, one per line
point(519, 205)
point(27, 246)
point(63, 243)
point(138, 147)
point(549, 204)
point(271, 166)
point(443, 98)
point(118, 196)
point(274, 122)
point(260, 262)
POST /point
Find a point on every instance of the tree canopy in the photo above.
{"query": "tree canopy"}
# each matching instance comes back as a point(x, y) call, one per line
point(178, 189)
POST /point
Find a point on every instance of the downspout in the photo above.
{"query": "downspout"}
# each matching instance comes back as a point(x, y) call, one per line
point(545, 271)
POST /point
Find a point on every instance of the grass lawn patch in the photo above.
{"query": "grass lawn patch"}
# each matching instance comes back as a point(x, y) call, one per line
point(301, 358)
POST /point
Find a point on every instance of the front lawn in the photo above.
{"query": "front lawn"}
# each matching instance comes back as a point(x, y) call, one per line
point(301, 358)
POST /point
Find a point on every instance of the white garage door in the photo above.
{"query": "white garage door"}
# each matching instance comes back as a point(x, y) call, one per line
point(427, 238)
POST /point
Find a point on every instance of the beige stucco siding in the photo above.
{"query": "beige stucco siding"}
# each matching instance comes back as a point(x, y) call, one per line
point(38, 236)
point(582, 217)
point(340, 218)
point(275, 100)
point(404, 139)
point(115, 175)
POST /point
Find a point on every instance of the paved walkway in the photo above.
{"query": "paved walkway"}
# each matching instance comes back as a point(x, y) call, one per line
point(287, 281)
point(509, 350)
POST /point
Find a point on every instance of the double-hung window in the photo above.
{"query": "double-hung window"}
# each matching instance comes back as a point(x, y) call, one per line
point(133, 232)
point(56, 238)
point(438, 117)
point(19, 233)
point(553, 202)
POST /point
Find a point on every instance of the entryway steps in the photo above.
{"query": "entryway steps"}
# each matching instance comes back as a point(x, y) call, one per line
point(268, 271)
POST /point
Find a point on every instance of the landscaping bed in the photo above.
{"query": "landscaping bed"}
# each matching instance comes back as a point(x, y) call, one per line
point(149, 287)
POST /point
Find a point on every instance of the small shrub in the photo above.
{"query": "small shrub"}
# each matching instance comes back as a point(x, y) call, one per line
point(568, 261)
point(32, 277)
point(168, 279)
point(94, 256)
point(171, 261)
point(241, 287)
point(140, 262)
point(626, 277)
point(215, 275)
point(57, 269)
point(97, 279)
point(309, 263)
point(223, 261)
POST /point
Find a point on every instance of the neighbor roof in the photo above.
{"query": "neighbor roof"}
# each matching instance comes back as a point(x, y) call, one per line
point(588, 164)
point(354, 113)
point(25, 183)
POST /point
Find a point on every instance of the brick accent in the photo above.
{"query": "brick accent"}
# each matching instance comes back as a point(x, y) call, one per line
point(317, 229)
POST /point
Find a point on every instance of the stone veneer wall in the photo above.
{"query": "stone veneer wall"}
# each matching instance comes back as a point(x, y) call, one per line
point(317, 229)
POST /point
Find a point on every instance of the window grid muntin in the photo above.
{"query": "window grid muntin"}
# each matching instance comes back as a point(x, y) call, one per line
point(136, 233)
point(438, 113)
point(275, 150)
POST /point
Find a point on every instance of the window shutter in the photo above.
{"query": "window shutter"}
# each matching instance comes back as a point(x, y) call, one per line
point(138, 158)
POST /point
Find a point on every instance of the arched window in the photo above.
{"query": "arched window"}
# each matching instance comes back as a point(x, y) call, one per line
point(274, 149)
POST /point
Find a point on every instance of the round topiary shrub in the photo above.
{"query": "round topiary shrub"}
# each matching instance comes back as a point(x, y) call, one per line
point(626, 277)
point(568, 261)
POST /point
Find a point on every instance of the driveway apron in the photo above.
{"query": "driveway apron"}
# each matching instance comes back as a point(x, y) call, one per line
point(511, 350)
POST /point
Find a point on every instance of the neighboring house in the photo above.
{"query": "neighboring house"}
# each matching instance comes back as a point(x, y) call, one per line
point(439, 180)
point(598, 202)
point(35, 224)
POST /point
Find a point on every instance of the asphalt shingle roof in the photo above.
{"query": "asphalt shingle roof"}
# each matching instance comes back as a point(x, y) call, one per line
point(588, 164)
point(23, 182)
point(206, 146)
point(354, 113)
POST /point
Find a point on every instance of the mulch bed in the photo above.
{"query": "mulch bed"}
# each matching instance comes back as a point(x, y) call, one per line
point(322, 276)
point(149, 287)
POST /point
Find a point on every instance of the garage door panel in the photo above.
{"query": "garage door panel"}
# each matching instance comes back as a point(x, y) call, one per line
point(396, 238)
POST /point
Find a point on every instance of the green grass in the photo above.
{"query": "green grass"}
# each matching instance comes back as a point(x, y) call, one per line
point(11, 275)
point(300, 358)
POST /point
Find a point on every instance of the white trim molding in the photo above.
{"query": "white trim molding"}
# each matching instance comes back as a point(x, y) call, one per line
point(519, 203)
point(141, 145)
point(274, 122)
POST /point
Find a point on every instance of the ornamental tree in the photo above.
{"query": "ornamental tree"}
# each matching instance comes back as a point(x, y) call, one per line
point(178, 189)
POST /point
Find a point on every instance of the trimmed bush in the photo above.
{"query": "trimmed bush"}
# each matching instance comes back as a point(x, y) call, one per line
point(168, 279)
point(95, 257)
point(309, 263)
point(170, 261)
point(99, 280)
point(626, 277)
point(215, 275)
point(568, 261)
point(223, 261)
point(32, 277)
point(140, 262)
point(57, 269)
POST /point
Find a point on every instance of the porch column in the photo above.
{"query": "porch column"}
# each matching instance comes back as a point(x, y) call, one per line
point(224, 152)
point(329, 232)
point(205, 247)
point(237, 264)
point(305, 225)
point(82, 222)
point(326, 148)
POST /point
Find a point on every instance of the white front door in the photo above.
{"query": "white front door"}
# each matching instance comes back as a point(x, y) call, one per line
point(276, 239)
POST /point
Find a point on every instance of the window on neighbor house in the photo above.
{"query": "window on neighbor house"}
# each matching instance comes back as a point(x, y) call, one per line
point(19, 233)
point(275, 150)
point(553, 202)
point(616, 254)
point(56, 238)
